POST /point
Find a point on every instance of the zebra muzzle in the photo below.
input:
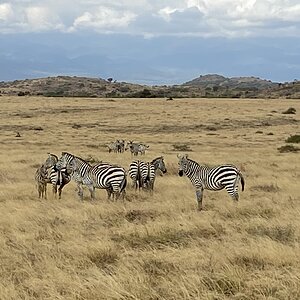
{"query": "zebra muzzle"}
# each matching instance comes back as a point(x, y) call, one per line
point(180, 173)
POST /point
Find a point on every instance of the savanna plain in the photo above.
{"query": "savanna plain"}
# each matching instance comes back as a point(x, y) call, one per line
point(150, 247)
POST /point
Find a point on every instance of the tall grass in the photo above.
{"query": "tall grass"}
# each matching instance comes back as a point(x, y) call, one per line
point(149, 247)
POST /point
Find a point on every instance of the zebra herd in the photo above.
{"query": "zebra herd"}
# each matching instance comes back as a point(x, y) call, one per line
point(113, 178)
point(135, 148)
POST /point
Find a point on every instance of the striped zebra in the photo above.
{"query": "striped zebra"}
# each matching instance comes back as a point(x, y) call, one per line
point(55, 177)
point(143, 173)
point(113, 147)
point(142, 148)
point(149, 172)
point(135, 173)
point(41, 181)
point(116, 147)
point(136, 148)
point(106, 176)
point(121, 146)
point(211, 178)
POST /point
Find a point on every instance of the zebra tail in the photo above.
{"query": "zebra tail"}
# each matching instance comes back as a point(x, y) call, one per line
point(242, 181)
point(123, 184)
point(139, 177)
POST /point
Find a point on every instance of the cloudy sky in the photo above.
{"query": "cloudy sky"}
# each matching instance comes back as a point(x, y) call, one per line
point(150, 41)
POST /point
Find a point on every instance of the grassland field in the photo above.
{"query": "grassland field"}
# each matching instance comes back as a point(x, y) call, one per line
point(145, 247)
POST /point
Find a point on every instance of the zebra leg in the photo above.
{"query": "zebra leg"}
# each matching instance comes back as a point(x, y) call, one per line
point(80, 191)
point(199, 195)
point(108, 193)
point(54, 189)
point(151, 187)
point(60, 189)
point(92, 191)
point(233, 192)
point(45, 189)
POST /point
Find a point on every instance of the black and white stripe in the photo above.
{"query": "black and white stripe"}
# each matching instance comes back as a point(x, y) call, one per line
point(211, 178)
point(56, 177)
point(106, 176)
point(143, 173)
point(135, 173)
point(149, 171)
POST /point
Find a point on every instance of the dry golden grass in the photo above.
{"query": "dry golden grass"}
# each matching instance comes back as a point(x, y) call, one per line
point(156, 247)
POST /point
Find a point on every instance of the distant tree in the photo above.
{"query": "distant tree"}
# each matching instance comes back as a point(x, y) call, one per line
point(109, 79)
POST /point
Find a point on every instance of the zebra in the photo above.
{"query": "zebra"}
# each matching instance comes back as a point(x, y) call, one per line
point(41, 181)
point(149, 172)
point(121, 146)
point(211, 178)
point(142, 148)
point(136, 148)
point(106, 176)
point(113, 147)
point(135, 173)
point(143, 173)
point(55, 177)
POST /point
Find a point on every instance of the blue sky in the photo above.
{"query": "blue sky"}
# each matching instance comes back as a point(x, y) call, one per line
point(151, 42)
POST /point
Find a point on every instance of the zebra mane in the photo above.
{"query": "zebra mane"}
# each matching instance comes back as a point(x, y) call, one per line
point(51, 154)
point(77, 157)
point(201, 165)
point(193, 161)
point(81, 159)
point(157, 158)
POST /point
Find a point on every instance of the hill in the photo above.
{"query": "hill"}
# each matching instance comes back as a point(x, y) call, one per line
point(208, 86)
point(214, 80)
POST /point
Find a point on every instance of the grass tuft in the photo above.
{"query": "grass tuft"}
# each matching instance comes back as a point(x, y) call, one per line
point(268, 188)
point(104, 259)
point(279, 233)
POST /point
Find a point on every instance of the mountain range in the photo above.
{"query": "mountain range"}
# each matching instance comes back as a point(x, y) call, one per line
point(211, 86)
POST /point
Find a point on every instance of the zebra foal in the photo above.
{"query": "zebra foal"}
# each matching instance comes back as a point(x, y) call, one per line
point(41, 181)
point(211, 178)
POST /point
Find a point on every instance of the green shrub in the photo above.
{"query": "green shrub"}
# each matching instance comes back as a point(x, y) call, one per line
point(181, 147)
point(288, 148)
point(290, 111)
point(293, 139)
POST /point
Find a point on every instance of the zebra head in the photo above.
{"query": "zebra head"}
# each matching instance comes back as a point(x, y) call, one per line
point(182, 163)
point(129, 143)
point(67, 161)
point(159, 164)
point(51, 160)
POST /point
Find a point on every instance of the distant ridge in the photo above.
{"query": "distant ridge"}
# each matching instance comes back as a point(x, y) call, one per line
point(212, 80)
point(209, 86)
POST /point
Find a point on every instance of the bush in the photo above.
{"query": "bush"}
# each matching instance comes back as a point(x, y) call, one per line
point(288, 148)
point(290, 111)
point(181, 147)
point(293, 139)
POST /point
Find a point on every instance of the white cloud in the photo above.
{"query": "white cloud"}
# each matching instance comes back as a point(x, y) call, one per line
point(41, 18)
point(104, 19)
point(5, 12)
point(154, 17)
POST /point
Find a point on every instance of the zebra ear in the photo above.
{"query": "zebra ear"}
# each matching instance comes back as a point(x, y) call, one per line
point(179, 156)
point(186, 156)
